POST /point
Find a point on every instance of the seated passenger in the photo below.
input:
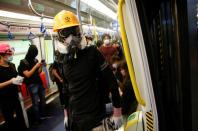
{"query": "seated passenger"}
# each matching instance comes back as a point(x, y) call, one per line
point(129, 102)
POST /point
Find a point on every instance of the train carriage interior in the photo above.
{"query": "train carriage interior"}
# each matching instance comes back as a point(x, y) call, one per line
point(156, 39)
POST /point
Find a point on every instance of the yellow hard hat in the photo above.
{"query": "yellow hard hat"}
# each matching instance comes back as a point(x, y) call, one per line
point(65, 19)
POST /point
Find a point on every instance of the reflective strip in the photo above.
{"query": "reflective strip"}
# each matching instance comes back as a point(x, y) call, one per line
point(103, 66)
point(149, 121)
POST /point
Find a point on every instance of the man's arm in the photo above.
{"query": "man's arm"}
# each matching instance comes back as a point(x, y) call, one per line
point(31, 72)
point(55, 73)
point(108, 75)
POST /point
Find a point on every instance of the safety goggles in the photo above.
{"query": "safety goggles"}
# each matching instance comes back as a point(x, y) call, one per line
point(65, 33)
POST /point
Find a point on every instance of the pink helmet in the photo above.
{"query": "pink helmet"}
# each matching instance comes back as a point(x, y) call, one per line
point(6, 49)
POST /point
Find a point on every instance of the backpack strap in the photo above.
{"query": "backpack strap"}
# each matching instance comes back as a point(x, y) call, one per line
point(25, 62)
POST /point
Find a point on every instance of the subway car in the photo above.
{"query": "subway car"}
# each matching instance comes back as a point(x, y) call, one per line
point(157, 39)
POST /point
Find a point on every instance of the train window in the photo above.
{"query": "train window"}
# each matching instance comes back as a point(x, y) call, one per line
point(49, 52)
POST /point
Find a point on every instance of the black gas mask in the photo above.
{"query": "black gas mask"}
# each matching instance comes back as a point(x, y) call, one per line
point(70, 42)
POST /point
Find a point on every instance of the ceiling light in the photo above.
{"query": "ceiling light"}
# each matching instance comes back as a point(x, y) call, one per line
point(97, 5)
point(13, 15)
point(24, 17)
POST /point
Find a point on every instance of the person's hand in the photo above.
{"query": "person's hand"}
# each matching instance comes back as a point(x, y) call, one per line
point(61, 80)
point(117, 119)
point(38, 64)
point(17, 80)
point(66, 123)
point(66, 119)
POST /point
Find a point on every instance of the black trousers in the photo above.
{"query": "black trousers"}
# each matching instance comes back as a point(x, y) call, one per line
point(8, 108)
point(83, 123)
point(61, 90)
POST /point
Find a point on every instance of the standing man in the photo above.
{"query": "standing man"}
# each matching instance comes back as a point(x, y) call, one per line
point(84, 69)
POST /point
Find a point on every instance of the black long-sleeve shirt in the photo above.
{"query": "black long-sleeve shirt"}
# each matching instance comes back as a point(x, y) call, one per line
point(90, 81)
point(129, 102)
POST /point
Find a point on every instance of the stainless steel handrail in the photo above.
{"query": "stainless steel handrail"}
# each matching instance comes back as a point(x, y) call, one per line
point(35, 12)
point(78, 14)
point(23, 25)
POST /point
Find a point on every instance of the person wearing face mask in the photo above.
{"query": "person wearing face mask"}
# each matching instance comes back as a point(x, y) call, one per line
point(89, 39)
point(30, 69)
point(84, 68)
point(9, 99)
point(107, 49)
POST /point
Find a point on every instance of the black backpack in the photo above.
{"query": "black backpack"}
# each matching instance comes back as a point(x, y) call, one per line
point(52, 77)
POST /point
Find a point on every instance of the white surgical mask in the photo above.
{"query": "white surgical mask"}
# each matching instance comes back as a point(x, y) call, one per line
point(10, 58)
point(68, 40)
point(62, 48)
point(115, 65)
point(106, 41)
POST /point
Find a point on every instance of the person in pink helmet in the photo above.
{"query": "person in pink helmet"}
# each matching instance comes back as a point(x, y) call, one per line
point(9, 99)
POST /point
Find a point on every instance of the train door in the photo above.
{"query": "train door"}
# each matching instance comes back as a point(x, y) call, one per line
point(136, 57)
point(164, 26)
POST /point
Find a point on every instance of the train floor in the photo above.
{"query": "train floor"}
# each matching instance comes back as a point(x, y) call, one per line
point(54, 119)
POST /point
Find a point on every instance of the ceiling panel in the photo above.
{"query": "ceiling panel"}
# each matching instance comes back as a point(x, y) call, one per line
point(51, 7)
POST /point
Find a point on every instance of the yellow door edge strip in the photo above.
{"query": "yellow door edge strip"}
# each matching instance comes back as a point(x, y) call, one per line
point(127, 54)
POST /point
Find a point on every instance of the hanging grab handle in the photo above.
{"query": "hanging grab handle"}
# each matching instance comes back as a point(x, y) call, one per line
point(10, 35)
point(31, 35)
point(127, 54)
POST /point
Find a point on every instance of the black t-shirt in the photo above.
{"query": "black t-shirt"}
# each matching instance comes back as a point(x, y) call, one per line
point(83, 75)
point(9, 92)
point(28, 65)
point(58, 67)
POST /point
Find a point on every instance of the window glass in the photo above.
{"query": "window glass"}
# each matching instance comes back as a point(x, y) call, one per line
point(49, 52)
point(21, 48)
